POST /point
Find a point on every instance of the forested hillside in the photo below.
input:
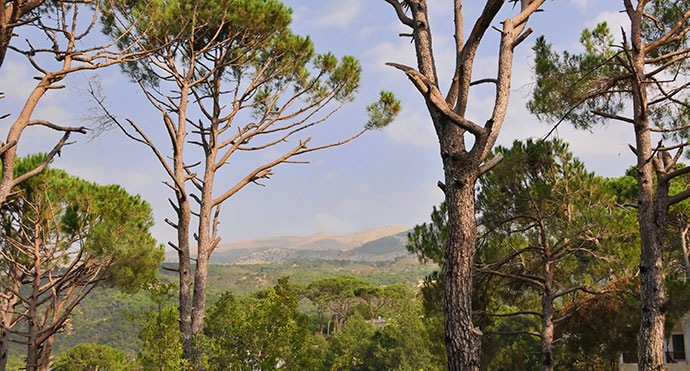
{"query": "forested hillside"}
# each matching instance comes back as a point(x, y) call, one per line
point(99, 319)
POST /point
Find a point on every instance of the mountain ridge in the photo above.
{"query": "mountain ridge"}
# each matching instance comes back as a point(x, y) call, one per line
point(374, 244)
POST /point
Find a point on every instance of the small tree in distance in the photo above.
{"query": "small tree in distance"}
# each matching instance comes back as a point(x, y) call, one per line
point(240, 81)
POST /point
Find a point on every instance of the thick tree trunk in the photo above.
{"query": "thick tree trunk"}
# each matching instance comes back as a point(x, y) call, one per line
point(32, 351)
point(547, 336)
point(8, 307)
point(463, 341)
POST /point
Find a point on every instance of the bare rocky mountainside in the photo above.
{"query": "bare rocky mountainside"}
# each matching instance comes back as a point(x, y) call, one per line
point(378, 244)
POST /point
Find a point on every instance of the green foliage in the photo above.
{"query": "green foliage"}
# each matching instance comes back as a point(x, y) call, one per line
point(382, 112)
point(99, 318)
point(602, 327)
point(541, 182)
point(159, 333)
point(403, 344)
point(237, 39)
point(61, 237)
point(548, 221)
point(350, 347)
point(427, 240)
point(264, 331)
point(108, 225)
point(589, 88)
point(92, 357)
point(511, 351)
point(573, 87)
point(162, 340)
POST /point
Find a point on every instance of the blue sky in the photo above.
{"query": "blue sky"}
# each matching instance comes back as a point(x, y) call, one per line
point(383, 178)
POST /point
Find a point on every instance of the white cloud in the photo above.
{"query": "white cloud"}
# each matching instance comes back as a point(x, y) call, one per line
point(380, 54)
point(16, 82)
point(330, 176)
point(338, 14)
point(367, 31)
point(615, 21)
point(412, 128)
point(580, 4)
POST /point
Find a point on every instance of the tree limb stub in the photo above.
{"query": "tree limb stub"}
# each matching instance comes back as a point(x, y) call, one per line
point(432, 95)
point(488, 165)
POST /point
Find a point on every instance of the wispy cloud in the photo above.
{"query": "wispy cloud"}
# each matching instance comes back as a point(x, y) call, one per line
point(580, 4)
point(412, 128)
point(615, 21)
point(338, 14)
point(16, 82)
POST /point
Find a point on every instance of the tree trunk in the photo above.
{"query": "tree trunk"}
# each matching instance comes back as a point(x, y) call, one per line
point(4, 345)
point(6, 318)
point(32, 356)
point(684, 247)
point(9, 156)
point(547, 363)
point(44, 354)
point(185, 275)
point(650, 356)
point(328, 327)
point(547, 336)
point(650, 216)
point(463, 341)
point(203, 251)
point(183, 219)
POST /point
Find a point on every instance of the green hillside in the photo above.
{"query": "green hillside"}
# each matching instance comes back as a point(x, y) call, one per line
point(100, 319)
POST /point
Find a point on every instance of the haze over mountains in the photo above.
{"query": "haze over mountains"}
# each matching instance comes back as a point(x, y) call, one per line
point(377, 244)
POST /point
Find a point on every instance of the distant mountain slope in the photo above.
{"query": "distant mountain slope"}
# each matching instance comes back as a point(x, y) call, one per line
point(381, 249)
point(376, 244)
point(382, 246)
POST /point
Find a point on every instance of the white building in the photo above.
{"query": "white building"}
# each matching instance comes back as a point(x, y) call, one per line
point(676, 349)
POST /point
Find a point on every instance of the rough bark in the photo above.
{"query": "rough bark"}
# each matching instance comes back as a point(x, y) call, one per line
point(9, 156)
point(462, 339)
point(4, 348)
